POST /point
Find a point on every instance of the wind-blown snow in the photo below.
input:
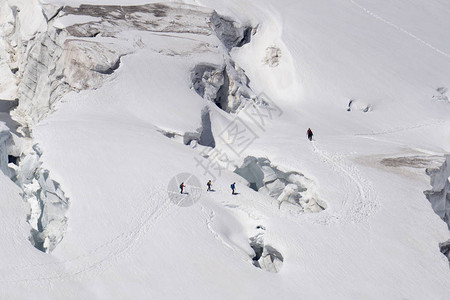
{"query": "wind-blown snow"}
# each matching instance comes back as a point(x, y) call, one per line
point(97, 91)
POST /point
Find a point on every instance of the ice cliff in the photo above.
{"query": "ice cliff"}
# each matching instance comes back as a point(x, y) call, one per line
point(48, 51)
point(439, 195)
point(4, 136)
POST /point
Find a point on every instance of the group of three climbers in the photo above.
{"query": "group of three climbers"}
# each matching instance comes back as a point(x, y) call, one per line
point(209, 189)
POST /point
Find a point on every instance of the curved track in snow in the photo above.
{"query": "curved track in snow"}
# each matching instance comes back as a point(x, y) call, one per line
point(360, 200)
point(100, 257)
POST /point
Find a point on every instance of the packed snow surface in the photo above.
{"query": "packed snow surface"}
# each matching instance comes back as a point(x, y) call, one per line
point(117, 97)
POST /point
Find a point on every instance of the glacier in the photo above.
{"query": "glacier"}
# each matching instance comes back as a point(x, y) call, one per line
point(103, 103)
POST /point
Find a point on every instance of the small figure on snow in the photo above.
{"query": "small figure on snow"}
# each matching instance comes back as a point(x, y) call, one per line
point(233, 188)
point(309, 133)
point(209, 184)
point(182, 187)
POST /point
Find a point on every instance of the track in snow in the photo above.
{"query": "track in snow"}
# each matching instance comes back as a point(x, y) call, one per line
point(359, 202)
point(99, 258)
point(387, 22)
point(401, 129)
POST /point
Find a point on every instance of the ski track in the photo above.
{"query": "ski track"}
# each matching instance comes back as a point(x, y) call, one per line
point(359, 202)
point(387, 22)
point(102, 256)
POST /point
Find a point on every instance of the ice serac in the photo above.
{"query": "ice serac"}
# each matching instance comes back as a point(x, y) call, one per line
point(445, 249)
point(287, 187)
point(266, 257)
point(230, 32)
point(66, 49)
point(48, 203)
point(82, 46)
point(8, 64)
point(439, 195)
point(203, 136)
point(55, 63)
point(206, 136)
point(19, 23)
point(226, 85)
point(4, 136)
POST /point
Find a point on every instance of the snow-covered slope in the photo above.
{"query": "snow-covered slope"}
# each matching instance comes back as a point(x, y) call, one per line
point(116, 103)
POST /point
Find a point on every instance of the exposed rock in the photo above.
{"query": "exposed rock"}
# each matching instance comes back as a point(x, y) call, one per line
point(273, 56)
